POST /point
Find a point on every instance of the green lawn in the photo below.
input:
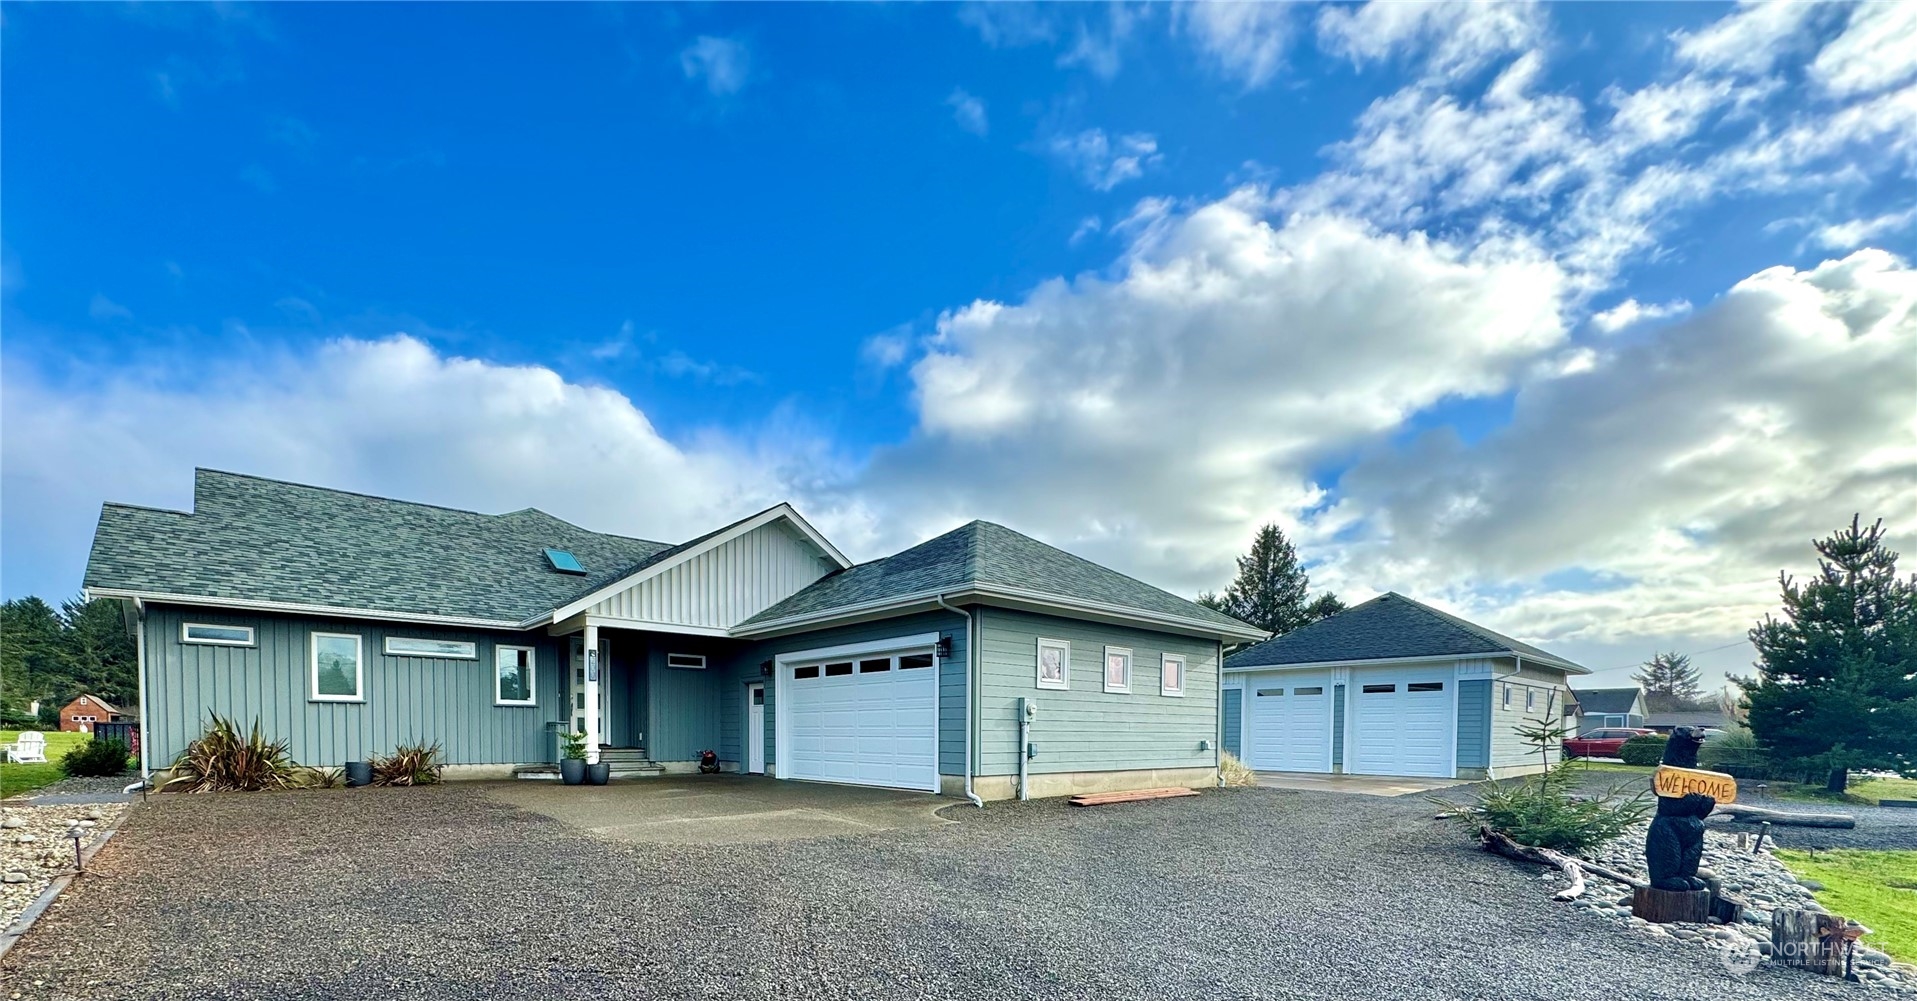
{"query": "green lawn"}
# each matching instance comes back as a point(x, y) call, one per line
point(1878, 889)
point(1602, 765)
point(17, 779)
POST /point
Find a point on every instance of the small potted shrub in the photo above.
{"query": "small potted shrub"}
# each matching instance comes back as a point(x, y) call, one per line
point(572, 758)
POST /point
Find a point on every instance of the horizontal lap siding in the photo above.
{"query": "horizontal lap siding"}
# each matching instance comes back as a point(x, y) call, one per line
point(1084, 728)
point(745, 668)
point(1508, 749)
point(407, 698)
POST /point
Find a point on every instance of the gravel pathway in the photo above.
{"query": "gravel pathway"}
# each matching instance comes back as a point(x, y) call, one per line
point(1877, 827)
point(444, 893)
point(34, 848)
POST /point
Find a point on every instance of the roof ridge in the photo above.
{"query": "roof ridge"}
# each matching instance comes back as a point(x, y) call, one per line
point(146, 507)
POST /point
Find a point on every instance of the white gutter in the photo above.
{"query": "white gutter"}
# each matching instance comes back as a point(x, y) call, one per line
point(1160, 621)
point(295, 608)
point(971, 660)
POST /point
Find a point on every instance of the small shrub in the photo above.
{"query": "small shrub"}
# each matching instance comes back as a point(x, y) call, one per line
point(408, 765)
point(1647, 749)
point(96, 757)
point(1548, 809)
point(572, 746)
point(221, 760)
point(319, 778)
point(1734, 751)
point(1234, 772)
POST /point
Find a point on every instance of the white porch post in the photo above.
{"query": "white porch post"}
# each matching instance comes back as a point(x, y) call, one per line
point(592, 694)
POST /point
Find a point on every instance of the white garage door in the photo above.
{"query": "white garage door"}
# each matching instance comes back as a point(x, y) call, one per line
point(1401, 722)
point(869, 719)
point(1288, 722)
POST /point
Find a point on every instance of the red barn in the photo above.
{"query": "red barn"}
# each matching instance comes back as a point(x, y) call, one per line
point(82, 713)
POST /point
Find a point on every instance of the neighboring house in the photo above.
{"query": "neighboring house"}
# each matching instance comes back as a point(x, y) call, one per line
point(1600, 707)
point(1392, 687)
point(347, 624)
point(1666, 722)
point(83, 713)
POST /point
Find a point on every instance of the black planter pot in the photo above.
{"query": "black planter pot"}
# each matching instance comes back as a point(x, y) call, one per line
point(359, 773)
point(572, 770)
point(599, 773)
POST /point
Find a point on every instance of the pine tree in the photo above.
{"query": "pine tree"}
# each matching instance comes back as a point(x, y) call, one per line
point(1836, 684)
point(1669, 682)
point(1270, 589)
point(1326, 606)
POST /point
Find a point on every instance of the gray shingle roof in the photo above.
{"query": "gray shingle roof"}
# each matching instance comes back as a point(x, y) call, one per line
point(1387, 627)
point(1604, 701)
point(982, 553)
point(268, 540)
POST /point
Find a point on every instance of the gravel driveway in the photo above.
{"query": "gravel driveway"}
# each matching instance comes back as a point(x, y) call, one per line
point(445, 892)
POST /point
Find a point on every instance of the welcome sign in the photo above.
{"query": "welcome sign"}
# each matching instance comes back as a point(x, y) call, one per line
point(1672, 781)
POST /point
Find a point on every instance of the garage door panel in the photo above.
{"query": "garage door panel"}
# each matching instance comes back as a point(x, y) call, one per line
point(1402, 722)
point(1288, 722)
point(874, 725)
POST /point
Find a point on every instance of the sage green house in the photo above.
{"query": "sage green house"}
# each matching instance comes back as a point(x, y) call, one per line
point(980, 662)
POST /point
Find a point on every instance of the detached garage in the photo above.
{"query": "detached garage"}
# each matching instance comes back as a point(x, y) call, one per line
point(1391, 687)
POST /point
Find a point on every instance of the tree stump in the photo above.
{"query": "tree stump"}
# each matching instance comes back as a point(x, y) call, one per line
point(1808, 940)
point(1666, 906)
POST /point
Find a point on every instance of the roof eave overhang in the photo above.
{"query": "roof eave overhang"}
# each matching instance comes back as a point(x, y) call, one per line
point(297, 608)
point(1017, 598)
point(1552, 663)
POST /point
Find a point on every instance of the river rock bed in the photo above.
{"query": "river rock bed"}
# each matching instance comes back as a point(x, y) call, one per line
point(34, 848)
point(1758, 878)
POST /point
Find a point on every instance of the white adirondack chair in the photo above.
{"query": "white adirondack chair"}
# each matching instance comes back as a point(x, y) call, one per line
point(32, 746)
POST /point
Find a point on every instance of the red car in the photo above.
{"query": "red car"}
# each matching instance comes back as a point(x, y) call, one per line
point(1600, 743)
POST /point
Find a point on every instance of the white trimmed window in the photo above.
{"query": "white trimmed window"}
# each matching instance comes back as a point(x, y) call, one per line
point(686, 661)
point(1054, 664)
point(1118, 670)
point(1171, 676)
point(338, 671)
point(212, 635)
point(513, 676)
point(412, 646)
point(1530, 699)
point(1507, 696)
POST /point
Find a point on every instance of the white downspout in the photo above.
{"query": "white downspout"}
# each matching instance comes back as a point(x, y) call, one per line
point(139, 659)
point(971, 662)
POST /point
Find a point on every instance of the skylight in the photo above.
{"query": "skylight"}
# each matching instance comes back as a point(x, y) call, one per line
point(564, 562)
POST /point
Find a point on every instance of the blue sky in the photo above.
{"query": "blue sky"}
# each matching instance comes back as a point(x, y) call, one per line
point(1130, 279)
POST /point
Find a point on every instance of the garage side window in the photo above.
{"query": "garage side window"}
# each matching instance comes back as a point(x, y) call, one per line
point(198, 632)
point(1171, 678)
point(337, 674)
point(513, 676)
point(1054, 664)
point(1118, 670)
point(1507, 696)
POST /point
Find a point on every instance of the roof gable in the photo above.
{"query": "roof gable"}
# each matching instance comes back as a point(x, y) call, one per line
point(1608, 701)
point(1388, 627)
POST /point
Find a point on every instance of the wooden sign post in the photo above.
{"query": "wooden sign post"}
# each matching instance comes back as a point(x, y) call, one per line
point(1673, 782)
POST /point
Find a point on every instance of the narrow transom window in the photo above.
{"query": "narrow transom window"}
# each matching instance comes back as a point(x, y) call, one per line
point(875, 666)
point(838, 670)
point(1054, 664)
point(1425, 686)
point(1507, 696)
point(803, 673)
point(337, 671)
point(1313, 690)
point(1380, 689)
point(408, 646)
point(1118, 670)
point(200, 632)
point(513, 675)
point(1530, 699)
point(686, 661)
point(1266, 693)
point(1171, 677)
point(915, 660)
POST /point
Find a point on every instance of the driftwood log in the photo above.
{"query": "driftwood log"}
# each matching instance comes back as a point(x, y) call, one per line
point(1574, 869)
point(1754, 813)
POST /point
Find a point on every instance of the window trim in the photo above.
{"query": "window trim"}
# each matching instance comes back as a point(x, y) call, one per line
point(1507, 697)
point(252, 634)
point(386, 648)
point(532, 676)
point(1530, 699)
point(1183, 663)
point(686, 661)
point(1105, 670)
point(1064, 683)
point(359, 667)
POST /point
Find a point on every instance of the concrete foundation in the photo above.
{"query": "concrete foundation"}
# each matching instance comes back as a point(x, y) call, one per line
point(1049, 784)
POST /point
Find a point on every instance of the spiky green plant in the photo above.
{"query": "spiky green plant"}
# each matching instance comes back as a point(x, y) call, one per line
point(408, 765)
point(1547, 809)
point(221, 760)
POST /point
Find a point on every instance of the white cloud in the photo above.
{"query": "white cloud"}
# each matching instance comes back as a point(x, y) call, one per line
point(1853, 234)
point(1453, 39)
point(103, 308)
point(1087, 227)
point(392, 417)
point(1243, 42)
point(722, 64)
point(1631, 312)
point(1100, 50)
point(1104, 162)
point(1878, 48)
point(1750, 40)
point(967, 111)
point(1010, 24)
point(886, 350)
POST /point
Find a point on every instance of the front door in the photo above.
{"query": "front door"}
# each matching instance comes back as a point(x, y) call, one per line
point(605, 689)
point(755, 729)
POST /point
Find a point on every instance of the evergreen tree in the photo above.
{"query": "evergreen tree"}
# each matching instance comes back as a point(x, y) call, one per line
point(1836, 684)
point(1669, 682)
point(33, 651)
point(1326, 606)
point(53, 656)
point(1270, 589)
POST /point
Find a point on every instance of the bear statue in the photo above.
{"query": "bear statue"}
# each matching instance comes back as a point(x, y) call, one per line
point(1676, 843)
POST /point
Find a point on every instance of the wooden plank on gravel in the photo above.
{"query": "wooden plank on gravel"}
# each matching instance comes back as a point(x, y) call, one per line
point(1129, 796)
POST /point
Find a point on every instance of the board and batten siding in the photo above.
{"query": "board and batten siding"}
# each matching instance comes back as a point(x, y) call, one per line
point(407, 699)
point(1232, 731)
point(725, 586)
point(1085, 729)
point(745, 665)
point(1474, 723)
